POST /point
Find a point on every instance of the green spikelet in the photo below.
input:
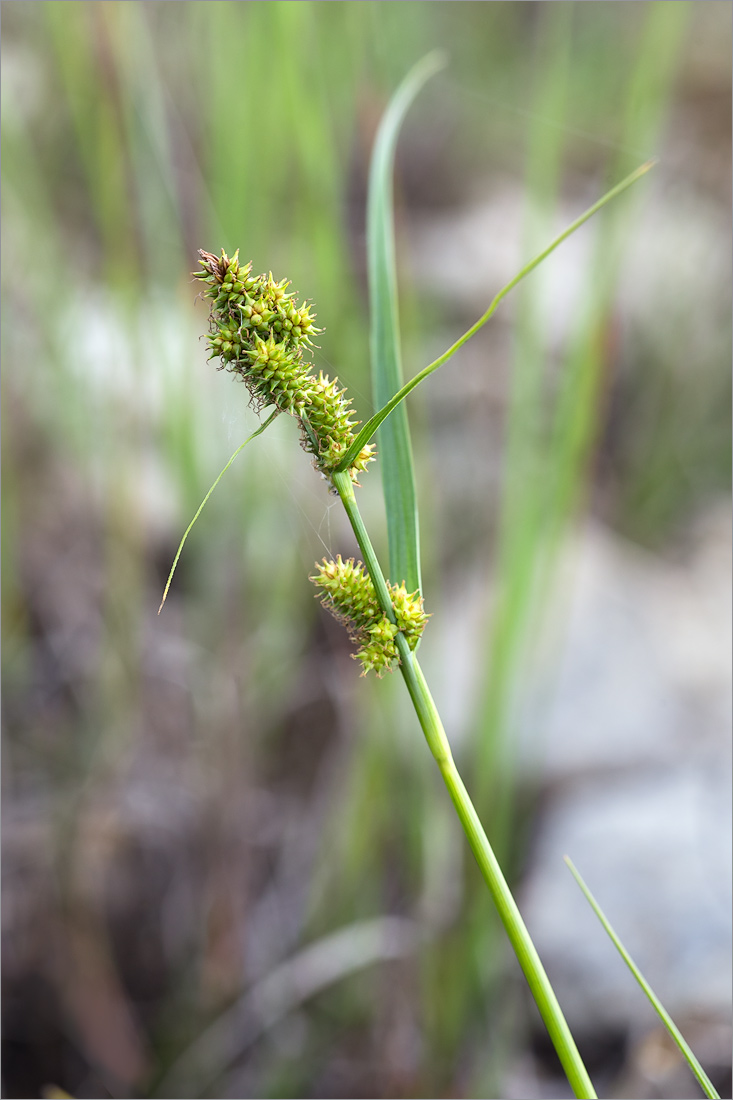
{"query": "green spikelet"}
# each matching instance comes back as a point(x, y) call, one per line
point(348, 593)
point(260, 334)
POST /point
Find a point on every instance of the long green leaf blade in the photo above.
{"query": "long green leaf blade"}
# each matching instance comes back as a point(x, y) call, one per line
point(378, 419)
point(395, 450)
point(186, 533)
point(704, 1081)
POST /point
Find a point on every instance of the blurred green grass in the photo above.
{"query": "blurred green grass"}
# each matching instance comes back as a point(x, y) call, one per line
point(196, 820)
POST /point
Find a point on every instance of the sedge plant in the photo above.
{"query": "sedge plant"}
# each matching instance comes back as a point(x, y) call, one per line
point(260, 333)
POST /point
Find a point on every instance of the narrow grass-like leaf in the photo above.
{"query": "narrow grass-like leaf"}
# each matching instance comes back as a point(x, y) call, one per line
point(704, 1081)
point(376, 421)
point(395, 450)
point(241, 447)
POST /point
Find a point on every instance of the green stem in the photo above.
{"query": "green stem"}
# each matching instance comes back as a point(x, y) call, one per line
point(344, 486)
point(437, 740)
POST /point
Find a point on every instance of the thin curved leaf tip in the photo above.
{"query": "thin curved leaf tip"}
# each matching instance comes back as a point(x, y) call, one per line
point(376, 421)
point(683, 1046)
point(203, 502)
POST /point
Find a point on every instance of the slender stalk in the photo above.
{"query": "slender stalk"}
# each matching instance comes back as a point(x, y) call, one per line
point(704, 1081)
point(437, 740)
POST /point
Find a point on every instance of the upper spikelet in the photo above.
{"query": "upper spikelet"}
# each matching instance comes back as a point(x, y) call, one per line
point(260, 333)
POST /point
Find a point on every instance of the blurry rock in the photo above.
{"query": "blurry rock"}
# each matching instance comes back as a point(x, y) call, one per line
point(651, 847)
point(657, 1068)
point(643, 673)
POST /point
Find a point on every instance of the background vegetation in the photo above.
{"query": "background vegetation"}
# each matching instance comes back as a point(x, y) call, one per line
point(215, 833)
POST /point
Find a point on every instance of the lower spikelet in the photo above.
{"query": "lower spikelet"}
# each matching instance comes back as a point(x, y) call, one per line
point(348, 593)
point(259, 333)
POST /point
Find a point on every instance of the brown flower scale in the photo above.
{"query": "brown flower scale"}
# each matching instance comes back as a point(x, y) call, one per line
point(259, 333)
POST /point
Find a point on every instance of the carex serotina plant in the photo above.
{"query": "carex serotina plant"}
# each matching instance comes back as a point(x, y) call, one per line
point(260, 334)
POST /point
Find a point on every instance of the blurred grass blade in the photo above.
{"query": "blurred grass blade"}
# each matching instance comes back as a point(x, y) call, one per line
point(241, 447)
point(395, 451)
point(377, 420)
point(705, 1083)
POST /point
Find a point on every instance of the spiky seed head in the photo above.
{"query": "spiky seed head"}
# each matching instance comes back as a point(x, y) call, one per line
point(260, 334)
point(347, 591)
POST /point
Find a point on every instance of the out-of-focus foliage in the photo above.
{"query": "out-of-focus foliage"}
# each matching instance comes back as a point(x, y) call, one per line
point(215, 833)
